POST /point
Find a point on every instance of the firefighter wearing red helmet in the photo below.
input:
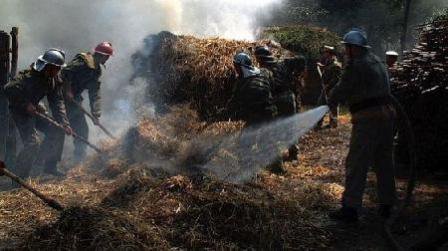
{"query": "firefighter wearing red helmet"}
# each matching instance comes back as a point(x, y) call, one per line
point(83, 74)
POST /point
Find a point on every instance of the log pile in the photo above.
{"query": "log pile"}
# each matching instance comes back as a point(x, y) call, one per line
point(420, 83)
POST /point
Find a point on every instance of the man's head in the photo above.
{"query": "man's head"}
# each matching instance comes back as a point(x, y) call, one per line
point(296, 64)
point(50, 63)
point(103, 52)
point(243, 65)
point(355, 42)
point(329, 51)
point(263, 55)
point(391, 58)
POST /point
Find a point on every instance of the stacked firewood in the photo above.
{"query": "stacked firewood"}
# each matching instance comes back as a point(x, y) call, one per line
point(420, 83)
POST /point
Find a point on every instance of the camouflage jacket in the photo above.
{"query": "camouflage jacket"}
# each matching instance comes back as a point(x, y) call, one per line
point(282, 78)
point(331, 74)
point(252, 98)
point(362, 79)
point(83, 74)
point(31, 86)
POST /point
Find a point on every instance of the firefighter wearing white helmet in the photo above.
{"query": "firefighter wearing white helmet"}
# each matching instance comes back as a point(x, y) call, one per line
point(24, 94)
point(391, 59)
point(82, 74)
point(364, 86)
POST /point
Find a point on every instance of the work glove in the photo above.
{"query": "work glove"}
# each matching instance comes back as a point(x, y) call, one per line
point(68, 130)
point(31, 109)
point(96, 121)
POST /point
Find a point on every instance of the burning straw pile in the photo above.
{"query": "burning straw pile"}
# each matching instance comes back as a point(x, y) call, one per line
point(138, 197)
point(421, 84)
point(186, 69)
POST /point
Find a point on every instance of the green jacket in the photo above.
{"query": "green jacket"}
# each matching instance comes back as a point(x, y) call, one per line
point(331, 74)
point(81, 74)
point(362, 79)
point(31, 86)
point(252, 98)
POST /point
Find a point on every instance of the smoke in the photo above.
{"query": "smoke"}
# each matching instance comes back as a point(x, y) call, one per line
point(77, 26)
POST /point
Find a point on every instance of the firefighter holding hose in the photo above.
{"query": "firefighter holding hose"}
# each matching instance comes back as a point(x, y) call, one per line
point(364, 86)
point(83, 73)
point(24, 94)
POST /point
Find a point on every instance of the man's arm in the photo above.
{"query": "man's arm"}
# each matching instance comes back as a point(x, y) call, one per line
point(344, 88)
point(57, 104)
point(95, 98)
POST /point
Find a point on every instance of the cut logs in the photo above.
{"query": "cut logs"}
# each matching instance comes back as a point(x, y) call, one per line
point(420, 83)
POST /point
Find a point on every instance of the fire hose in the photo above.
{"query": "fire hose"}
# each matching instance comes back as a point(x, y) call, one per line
point(94, 119)
point(405, 127)
point(59, 126)
point(50, 202)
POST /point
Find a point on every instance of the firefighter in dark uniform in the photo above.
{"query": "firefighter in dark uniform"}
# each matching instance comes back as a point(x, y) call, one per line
point(330, 69)
point(24, 94)
point(252, 99)
point(284, 92)
point(284, 72)
point(364, 86)
point(81, 74)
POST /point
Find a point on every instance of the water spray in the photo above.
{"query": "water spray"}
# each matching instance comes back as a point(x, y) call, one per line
point(241, 156)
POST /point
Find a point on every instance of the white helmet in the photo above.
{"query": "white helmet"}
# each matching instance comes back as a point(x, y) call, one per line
point(392, 53)
point(51, 56)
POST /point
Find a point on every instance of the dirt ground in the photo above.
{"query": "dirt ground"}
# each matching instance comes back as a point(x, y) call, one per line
point(311, 188)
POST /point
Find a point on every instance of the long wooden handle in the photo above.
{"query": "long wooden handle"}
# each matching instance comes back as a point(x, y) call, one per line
point(74, 135)
point(93, 119)
point(50, 202)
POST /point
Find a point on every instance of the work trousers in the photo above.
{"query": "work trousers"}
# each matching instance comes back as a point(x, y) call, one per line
point(333, 113)
point(49, 151)
point(371, 145)
point(79, 125)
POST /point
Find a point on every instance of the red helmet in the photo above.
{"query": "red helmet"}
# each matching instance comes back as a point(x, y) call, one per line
point(105, 48)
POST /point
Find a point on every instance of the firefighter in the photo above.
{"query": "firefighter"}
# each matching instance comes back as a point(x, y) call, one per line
point(284, 72)
point(252, 97)
point(331, 70)
point(24, 94)
point(364, 86)
point(286, 95)
point(391, 62)
point(81, 74)
point(252, 102)
point(391, 58)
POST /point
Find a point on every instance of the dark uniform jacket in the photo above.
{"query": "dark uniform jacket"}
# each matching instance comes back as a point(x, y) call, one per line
point(331, 74)
point(31, 86)
point(252, 98)
point(362, 79)
point(283, 87)
point(364, 83)
point(84, 74)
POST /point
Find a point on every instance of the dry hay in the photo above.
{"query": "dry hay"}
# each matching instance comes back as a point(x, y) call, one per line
point(94, 228)
point(212, 214)
point(168, 143)
point(186, 69)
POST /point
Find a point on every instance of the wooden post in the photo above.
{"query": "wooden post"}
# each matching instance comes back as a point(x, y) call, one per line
point(4, 77)
point(11, 140)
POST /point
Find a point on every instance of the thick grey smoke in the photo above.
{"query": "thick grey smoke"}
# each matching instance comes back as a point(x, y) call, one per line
point(77, 26)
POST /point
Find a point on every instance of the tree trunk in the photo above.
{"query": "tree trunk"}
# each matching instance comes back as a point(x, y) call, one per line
point(404, 35)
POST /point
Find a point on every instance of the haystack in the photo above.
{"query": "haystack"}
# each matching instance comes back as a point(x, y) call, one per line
point(309, 42)
point(186, 69)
